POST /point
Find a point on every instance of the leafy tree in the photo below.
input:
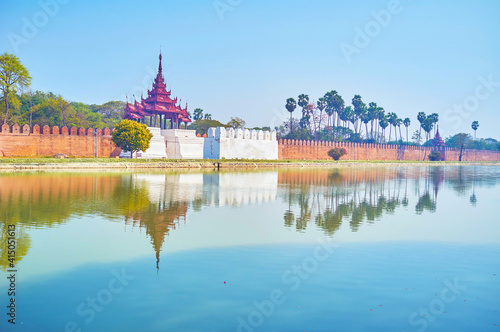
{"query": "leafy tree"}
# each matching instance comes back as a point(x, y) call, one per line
point(460, 141)
point(131, 136)
point(290, 107)
point(475, 125)
point(417, 138)
point(201, 126)
point(198, 114)
point(236, 123)
point(13, 75)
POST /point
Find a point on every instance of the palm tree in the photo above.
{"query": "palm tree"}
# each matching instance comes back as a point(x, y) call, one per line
point(475, 125)
point(391, 118)
point(198, 114)
point(435, 119)
point(406, 122)
point(208, 116)
point(398, 122)
point(427, 126)
point(365, 118)
point(421, 118)
point(346, 115)
point(303, 102)
point(380, 116)
point(290, 107)
point(359, 107)
point(372, 114)
point(321, 105)
point(383, 124)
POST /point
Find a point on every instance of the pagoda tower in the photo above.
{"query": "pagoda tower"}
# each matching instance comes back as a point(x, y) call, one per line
point(158, 107)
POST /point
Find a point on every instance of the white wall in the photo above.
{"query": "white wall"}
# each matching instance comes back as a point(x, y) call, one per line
point(183, 144)
point(240, 144)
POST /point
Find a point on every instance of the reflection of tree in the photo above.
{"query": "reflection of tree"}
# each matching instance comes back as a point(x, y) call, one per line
point(23, 243)
point(331, 197)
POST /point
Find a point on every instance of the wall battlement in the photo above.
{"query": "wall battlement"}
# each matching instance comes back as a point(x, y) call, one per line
point(318, 150)
point(23, 141)
point(231, 133)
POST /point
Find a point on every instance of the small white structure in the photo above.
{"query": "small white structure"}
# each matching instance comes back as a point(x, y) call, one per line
point(240, 144)
point(156, 148)
point(183, 144)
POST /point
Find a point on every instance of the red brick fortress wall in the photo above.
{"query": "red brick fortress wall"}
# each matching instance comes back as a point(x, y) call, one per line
point(16, 141)
point(318, 150)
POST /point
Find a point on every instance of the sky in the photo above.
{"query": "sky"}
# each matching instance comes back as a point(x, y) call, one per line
point(241, 58)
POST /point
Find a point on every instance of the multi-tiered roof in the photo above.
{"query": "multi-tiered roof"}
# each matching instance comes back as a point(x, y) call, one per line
point(158, 104)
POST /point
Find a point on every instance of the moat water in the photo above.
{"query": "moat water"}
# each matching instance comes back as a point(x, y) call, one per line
point(352, 249)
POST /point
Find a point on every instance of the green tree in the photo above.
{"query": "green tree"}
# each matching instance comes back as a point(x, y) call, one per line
point(201, 126)
point(208, 116)
point(475, 125)
point(290, 106)
point(459, 141)
point(236, 123)
point(13, 75)
point(198, 114)
point(131, 136)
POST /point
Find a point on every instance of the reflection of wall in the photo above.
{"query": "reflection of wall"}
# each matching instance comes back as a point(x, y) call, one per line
point(214, 189)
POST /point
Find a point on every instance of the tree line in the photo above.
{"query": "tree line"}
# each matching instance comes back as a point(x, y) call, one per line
point(330, 119)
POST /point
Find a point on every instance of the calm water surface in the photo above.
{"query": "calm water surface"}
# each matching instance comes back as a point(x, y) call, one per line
point(362, 249)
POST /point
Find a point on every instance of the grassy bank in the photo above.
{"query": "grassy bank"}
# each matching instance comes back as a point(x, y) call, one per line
point(47, 163)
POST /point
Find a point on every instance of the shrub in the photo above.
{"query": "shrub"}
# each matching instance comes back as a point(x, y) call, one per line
point(436, 156)
point(337, 153)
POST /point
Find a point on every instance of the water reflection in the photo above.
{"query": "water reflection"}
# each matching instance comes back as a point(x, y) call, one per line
point(159, 202)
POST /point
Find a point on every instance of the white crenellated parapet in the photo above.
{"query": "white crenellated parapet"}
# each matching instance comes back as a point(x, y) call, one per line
point(240, 144)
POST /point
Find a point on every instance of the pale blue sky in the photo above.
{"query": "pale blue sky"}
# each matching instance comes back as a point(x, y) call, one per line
point(429, 57)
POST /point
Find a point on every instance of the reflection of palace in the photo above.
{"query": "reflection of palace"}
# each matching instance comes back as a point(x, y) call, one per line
point(159, 202)
point(170, 195)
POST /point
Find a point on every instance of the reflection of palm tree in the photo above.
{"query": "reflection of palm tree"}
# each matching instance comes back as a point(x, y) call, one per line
point(289, 218)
